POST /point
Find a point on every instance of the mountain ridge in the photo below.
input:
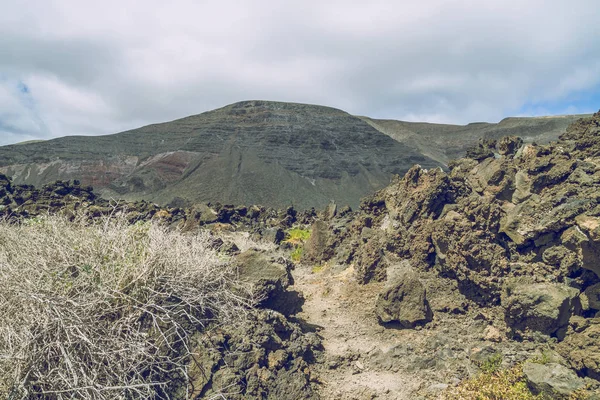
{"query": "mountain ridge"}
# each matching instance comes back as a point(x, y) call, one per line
point(255, 151)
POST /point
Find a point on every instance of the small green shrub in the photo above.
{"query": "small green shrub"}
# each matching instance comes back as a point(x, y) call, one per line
point(501, 384)
point(492, 364)
point(544, 358)
point(296, 254)
point(297, 235)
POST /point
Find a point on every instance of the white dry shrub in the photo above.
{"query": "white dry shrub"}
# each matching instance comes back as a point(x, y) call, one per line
point(244, 242)
point(104, 309)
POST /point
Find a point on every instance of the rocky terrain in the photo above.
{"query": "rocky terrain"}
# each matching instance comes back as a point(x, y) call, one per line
point(438, 283)
point(257, 152)
point(496, 258)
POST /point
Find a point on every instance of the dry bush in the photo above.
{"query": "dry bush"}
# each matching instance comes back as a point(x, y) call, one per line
point(104, 309)
point(244, 242)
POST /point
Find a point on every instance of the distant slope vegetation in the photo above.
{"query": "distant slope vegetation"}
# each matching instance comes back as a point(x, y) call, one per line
point(270, 153)
point(444, 142)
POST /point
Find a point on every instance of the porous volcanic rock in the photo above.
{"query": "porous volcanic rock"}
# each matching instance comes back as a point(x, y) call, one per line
point(471, 226)
point(552, 380)
point(263, 357)
point(581, 348)
point(542, 307)
point(403, 300)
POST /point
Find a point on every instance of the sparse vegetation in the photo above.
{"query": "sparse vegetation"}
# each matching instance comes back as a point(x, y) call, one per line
point(104, 309)
point(493, 383)
point(492, 364)
point(296, 254)
point(297, 236)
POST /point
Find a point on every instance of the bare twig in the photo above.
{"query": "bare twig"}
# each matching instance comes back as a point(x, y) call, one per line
point(105, 309)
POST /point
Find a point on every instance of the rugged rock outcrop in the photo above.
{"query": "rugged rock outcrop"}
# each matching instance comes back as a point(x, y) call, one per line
point(516, 226)
point(265, 357)
point(532, 211)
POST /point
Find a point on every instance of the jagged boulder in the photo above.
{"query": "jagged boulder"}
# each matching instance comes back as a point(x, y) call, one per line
point(508, 145)
point(319, 246)
point(541, 307)
point(268, 278)
point(552, 380)
point(592, 294)
point(581, 348)
point(403, 300)
point(266, 357)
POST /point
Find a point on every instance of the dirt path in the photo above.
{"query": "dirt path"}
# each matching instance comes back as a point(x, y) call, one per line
point(343, 312)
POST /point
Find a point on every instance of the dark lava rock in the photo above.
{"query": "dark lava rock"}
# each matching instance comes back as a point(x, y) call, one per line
point(582, 349)
point(542, 307)
point(269, 278)
point(319, 246)
point(403, 300)
point(263, 357)
point(552, 380)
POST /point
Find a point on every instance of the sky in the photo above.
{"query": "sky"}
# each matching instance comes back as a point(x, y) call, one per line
point(76, 67)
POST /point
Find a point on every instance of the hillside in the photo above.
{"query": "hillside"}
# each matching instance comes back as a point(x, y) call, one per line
point(481, 282)
point(256, 152)
point(444, 142)
point(276, 154)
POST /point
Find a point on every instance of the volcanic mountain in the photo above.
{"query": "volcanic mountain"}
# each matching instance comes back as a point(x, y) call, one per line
point(257, 152)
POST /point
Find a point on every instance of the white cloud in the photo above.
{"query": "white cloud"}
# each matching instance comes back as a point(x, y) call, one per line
point(101, 67)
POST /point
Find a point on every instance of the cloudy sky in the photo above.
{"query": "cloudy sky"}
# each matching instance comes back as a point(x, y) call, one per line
point(76, 67)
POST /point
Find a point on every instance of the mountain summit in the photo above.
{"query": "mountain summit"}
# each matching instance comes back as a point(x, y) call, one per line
point(262, 152)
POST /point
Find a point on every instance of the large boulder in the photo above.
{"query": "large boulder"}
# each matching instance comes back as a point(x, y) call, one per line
point(318, 248)
point(552, 380)
point(541, 307)
point(268, 278)
point(403, 300)
point(581, 349)
point(593, 296)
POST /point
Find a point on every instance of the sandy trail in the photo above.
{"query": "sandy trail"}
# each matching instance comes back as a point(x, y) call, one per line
point(343, 312)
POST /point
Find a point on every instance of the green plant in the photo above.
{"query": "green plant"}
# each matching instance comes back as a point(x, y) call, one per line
point(492, 364)
point(501, 384)
point(297, 235)
point(543, 358)
point(296, 254)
